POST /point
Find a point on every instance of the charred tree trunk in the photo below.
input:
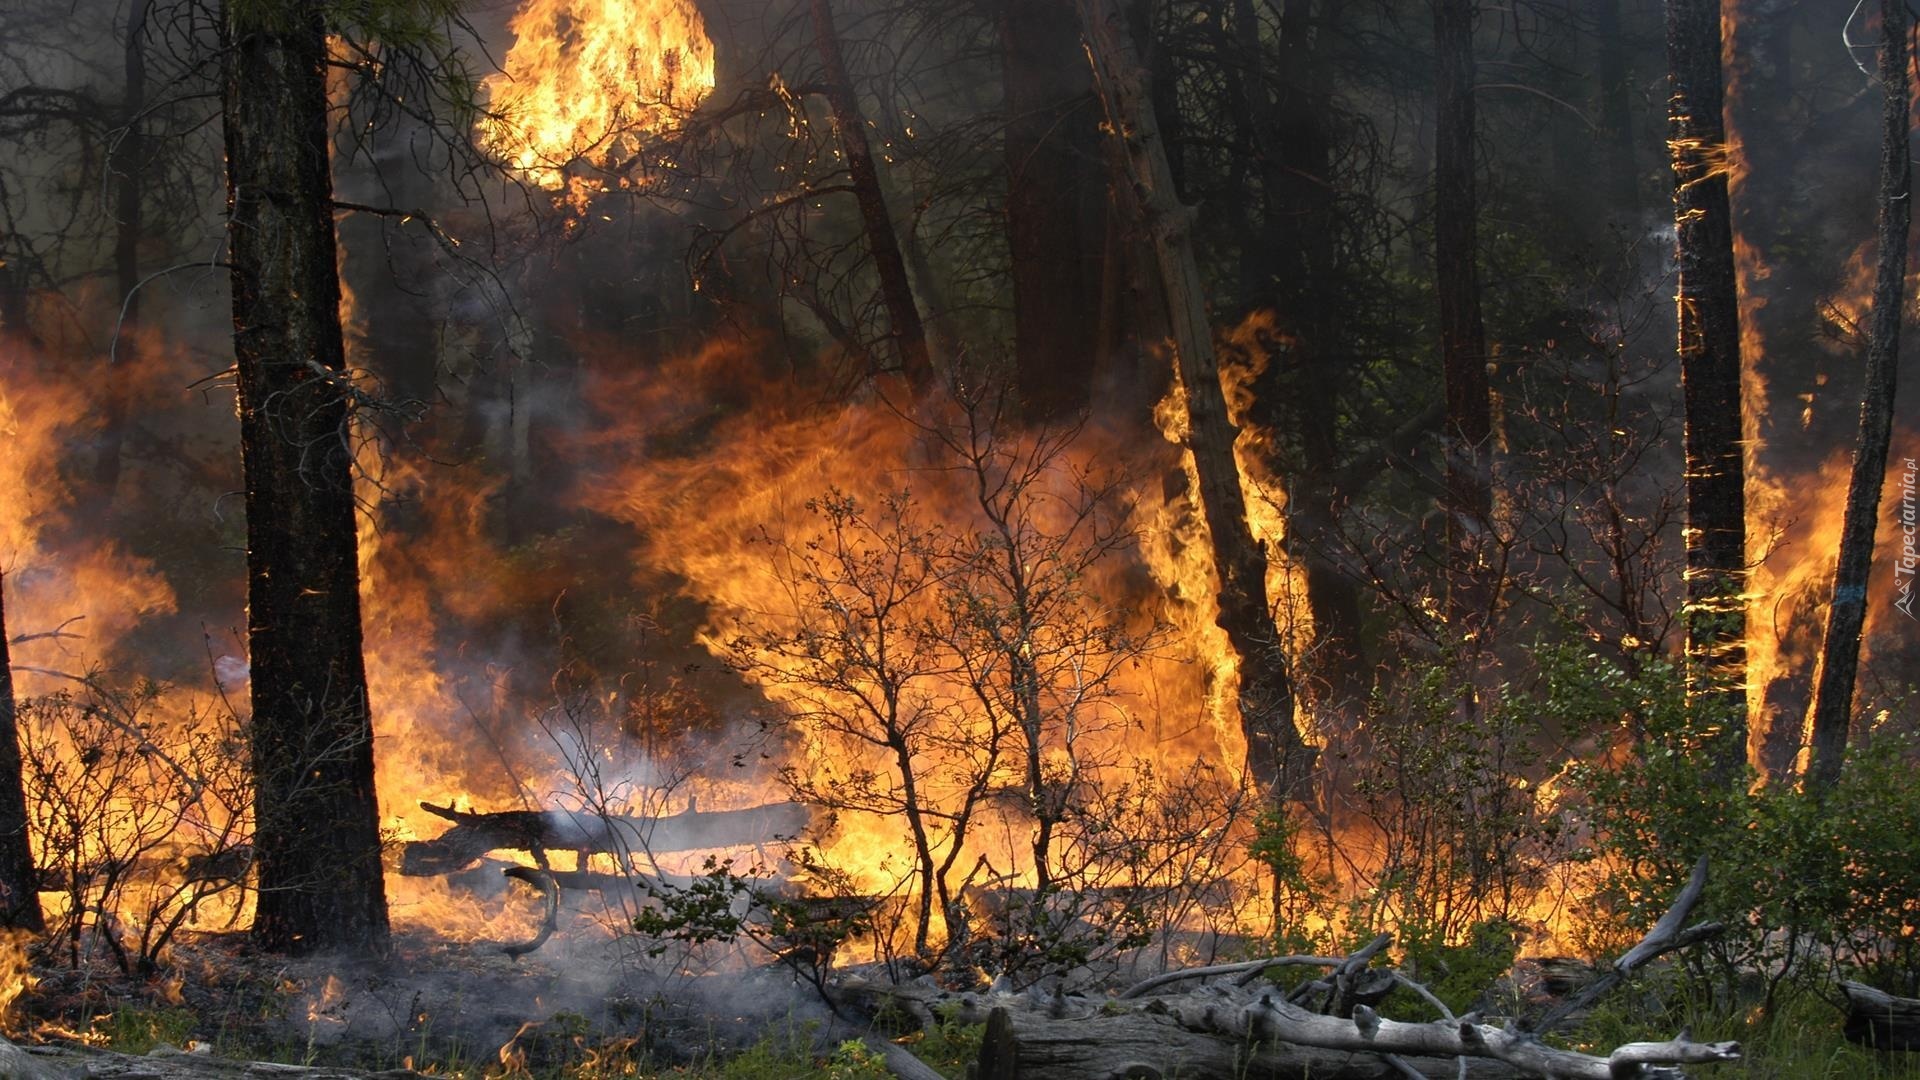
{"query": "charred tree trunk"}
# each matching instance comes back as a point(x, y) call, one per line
point(1709, 353)
point(317, 827)
point(1463, 334)
point(131, 162)
point(1293, 263)
point(896, 289)
point(1277, 754)
point(1847, 614)
point(19, 889)
point(1056, 206)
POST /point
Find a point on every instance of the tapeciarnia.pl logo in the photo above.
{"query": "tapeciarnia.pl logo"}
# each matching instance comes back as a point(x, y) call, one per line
point(1903, 571)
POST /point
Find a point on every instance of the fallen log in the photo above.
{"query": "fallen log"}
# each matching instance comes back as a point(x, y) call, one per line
point(1224, 1032)
point(1880, 1020)
point(1229, 1030)
point(540, 831)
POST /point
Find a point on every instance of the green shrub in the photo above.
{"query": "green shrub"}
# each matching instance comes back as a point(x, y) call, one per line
point(1810, 886)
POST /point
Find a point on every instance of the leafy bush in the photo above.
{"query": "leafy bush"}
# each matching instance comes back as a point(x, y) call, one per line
point(1812, 886)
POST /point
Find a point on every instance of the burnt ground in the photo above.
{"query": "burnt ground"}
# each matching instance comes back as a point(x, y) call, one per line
point(432, 1003)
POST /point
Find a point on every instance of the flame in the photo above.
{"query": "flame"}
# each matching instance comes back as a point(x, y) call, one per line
point(587, 80)
point(16, 974)
point(732, 523)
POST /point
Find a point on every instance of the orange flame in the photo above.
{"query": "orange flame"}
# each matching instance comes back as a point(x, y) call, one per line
point(586, 80)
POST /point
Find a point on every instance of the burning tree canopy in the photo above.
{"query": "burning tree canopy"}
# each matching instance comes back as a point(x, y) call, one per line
point(588, 81)
point(1034, 495)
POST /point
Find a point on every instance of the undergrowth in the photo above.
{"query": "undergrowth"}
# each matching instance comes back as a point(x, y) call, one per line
point(1800, 1039)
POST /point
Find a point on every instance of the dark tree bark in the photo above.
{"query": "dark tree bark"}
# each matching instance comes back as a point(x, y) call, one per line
point(896, 289)
point(1840, 652)
point(130, 165)
point(317, 838)
point(1709, 352)
point(19, 892)
point(1463, 334)
point(1056, 206)
point(1291, 264)
point(1277, 754)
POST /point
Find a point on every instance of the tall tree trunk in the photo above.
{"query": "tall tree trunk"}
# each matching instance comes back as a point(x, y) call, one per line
point(1293, 142)
point(1709, 351)
point(1840, 653)
point(19, 884)
point(317, 837)
point(1463, 334)
point(1277, 754)
point(1616, 110)
point(896, 289)
point(130, 162)
point(1056, 205)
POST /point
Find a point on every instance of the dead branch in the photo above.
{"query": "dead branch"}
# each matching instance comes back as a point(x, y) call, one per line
point(540, 831)
point(1665, 937)
point(541, 879)
point(1880, 1020)
point(1242, 968)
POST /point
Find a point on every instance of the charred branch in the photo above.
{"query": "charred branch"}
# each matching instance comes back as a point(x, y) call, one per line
point(1666, 936)
point(540, 831)
point(1878, 1019)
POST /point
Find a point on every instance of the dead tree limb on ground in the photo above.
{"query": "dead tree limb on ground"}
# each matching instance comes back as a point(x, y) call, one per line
point(540, 831)
point(1880, 1020)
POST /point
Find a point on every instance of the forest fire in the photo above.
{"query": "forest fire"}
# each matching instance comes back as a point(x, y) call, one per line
point(1081, 547)
point(587, 80)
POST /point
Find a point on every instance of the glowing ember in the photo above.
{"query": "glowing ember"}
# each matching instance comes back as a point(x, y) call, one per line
point(587, 80)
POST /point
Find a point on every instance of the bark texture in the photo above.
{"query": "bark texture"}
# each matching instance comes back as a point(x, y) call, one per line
point(1840, 653)
point(1277, 754)
point(1230, 1033)
point(317, 826)
point(1709, 352)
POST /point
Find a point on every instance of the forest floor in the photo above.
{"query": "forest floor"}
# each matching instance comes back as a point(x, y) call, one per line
point(575, 1012)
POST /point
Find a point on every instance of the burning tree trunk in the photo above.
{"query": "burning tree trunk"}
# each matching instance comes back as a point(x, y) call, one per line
point(1463, 334)
point(1056, 205)
point(896, 291)
point(317, 827)
point(1293, 142)
point(1709, 352)
point(19, 888)
point(1840, 653)
point(1277, 753)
